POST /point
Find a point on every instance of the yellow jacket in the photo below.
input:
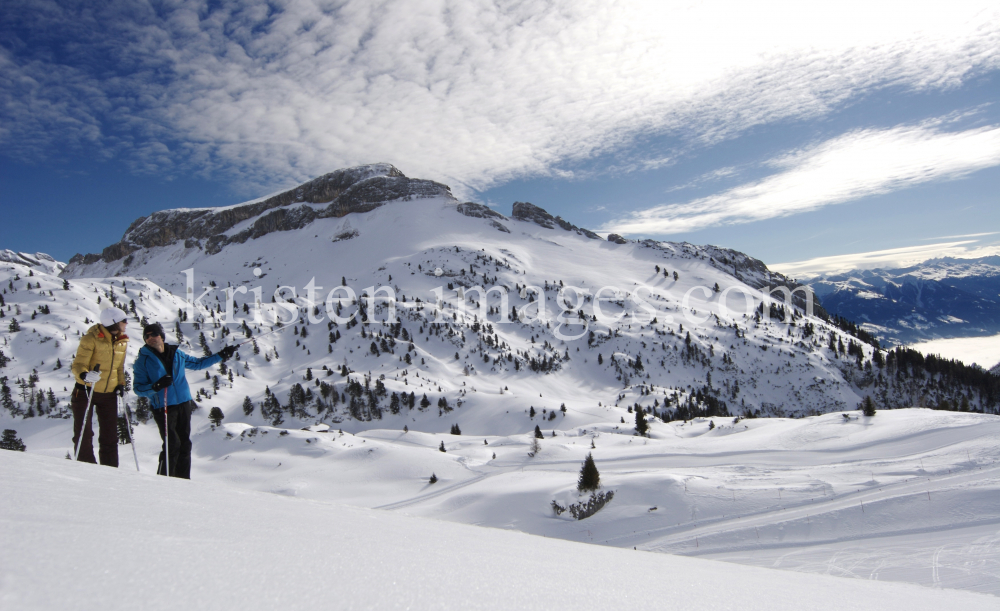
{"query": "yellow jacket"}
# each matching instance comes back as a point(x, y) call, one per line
point(97, 346)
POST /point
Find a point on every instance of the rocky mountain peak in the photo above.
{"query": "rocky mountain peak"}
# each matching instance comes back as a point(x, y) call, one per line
point(357, 189)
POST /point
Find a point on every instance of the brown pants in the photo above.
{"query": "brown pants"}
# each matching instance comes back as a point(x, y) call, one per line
point(105, 404)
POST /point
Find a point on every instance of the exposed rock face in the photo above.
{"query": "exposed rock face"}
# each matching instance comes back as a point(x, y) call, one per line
point(345, 191)
point(479, 211)
point(617, 239)
point(524, 211)
point(499, 226)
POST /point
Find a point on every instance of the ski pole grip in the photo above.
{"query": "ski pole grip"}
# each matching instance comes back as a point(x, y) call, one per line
point(97, 367)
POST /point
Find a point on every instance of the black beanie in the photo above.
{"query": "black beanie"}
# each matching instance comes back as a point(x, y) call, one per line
point(153, 329)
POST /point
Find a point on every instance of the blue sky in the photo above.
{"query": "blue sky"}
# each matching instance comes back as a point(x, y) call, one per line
point(795, 132)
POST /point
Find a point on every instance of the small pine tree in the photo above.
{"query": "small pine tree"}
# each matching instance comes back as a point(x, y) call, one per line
point(590, 478)
point(247, 406)
point(538, 433)
point(123, 432)
point(215, 415)
point(868, 407)
point(441, 447)
point(433, 479)
point(641, 426)
point(10, 441)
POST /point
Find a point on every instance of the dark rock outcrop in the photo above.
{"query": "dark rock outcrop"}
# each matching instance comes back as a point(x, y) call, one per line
point(499, 226)
point(524, 211)
point(479, 211)
point(617, 239)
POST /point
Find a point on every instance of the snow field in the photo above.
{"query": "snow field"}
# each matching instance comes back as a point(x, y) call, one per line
point(776, 488)
point(84, 537)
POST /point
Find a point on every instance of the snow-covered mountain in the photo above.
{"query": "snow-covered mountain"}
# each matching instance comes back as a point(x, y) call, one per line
point(563, 325)
point(937, 299)
point(457, 383)
point(461, 348)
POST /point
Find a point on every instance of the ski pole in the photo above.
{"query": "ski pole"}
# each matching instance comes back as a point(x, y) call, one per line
point(86, 416)
point(128, 424)
point(166, 435)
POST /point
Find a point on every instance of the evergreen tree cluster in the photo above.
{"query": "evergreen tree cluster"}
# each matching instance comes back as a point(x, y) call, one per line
point(10, 441)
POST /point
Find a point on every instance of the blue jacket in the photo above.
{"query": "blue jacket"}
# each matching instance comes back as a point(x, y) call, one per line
point(148, 369)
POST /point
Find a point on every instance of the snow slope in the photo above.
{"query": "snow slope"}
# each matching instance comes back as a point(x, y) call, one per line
point(773, 492)
point(84, 537)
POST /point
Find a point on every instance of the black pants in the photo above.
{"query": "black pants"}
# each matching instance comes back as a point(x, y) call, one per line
point(180, 440)
point(105, 405)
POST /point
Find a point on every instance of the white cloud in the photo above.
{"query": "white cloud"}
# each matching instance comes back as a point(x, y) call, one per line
point(468, 92)
point(889, 258)
point(857, 164)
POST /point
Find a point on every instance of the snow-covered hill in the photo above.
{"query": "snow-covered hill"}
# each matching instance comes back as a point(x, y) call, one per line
point(132, 541)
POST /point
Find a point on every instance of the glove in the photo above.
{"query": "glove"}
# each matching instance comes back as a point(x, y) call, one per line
point(91, 377)
point(163, 382)
point(227, 353)
point(120, 390)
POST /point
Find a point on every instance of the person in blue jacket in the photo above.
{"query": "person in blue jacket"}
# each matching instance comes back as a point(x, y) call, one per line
point(159, 376)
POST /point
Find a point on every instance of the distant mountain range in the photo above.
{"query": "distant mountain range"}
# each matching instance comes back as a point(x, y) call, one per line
point(939, 298)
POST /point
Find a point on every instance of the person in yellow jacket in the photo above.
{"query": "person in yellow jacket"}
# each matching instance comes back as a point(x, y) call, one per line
point(103, 344)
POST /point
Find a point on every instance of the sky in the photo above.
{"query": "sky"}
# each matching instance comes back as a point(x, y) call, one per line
point(810, 135)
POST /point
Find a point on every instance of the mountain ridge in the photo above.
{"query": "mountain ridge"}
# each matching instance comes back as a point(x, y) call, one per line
point(937, 299)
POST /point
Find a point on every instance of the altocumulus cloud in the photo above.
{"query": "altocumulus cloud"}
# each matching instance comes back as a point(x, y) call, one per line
point(472, 92)
point(857, 164)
